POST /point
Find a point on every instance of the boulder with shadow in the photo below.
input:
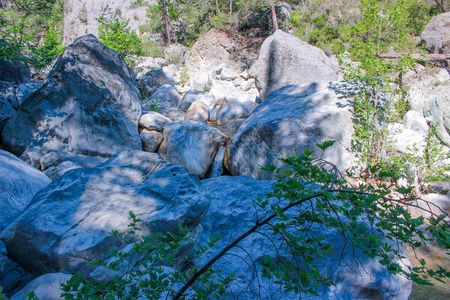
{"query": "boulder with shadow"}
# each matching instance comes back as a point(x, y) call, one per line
point(290, 120)
point(192, 144)
point(88, 105)
point(285, 59)
point(232, 213)
point(68, 224)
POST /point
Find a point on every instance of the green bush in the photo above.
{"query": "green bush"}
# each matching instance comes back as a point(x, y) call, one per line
point(115, 34)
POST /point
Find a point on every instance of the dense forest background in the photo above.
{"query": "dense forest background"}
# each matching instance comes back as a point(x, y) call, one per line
point(35, 26)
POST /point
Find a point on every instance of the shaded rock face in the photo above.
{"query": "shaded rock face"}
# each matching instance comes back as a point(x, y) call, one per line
point(14, 72)
point(19, 182)
point(232, 111)
point(285, 59)
point(152, 80)
point(46, 287)
point(12, 276)
point(7, 91)
point(232, 213)
point(191, 144)
point(88, 105)
point(291, 119)
point(437, 34)
point(6, 112)
point(68, 223)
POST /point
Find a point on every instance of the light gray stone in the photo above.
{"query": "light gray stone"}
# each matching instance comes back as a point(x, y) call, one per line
point(406, 140)
point(228, 74)
point(225, 91)
point(285, 59)
point(198, 111)
point(191, 144)
point(195, 95)
point(234, 110)
point(67, 235)
point(151, 140)
point(88, 105)
point(152, 80)
point(45, 287)
point(249, 84)
point(437, 34)
point(232, 212)
point(429, 95)
point(416, 122)
point(19, 182)
point(153, 121)
point(212, 115)
point(292, 119)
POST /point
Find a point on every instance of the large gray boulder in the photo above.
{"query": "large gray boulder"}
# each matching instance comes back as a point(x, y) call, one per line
point(69, 223)
point(291, 119)
point(191, 144)
point(19, 182)
point(88, 105)
point(285, 59)
point(232, 212)
point(437, 34)
point(429, 95)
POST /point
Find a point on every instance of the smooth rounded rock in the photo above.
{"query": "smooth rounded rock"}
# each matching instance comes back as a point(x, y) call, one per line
point(68, 224)
point(45, 287)
point(198, 111)
point(19, 182)
point(291, 120)
point(151, 140)
point(233, 111)
point(285, 59)
point(191, 144)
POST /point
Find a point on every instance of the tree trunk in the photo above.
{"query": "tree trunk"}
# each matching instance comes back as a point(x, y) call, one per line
point(231, 8)
point(274, 16)
point(217, 7)
point(166, 20)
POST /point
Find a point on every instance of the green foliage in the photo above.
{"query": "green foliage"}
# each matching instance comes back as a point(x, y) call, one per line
point(152, 49)
point(184, 76)
point(115, 34)
point(207, 86)
point(32, 30)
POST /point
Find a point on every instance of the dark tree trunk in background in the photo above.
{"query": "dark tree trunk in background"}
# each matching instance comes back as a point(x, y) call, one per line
point(274, 16)
point(166, 20)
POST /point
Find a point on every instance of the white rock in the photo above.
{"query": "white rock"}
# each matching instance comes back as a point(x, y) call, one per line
point(153, 121)
point(151, 140)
